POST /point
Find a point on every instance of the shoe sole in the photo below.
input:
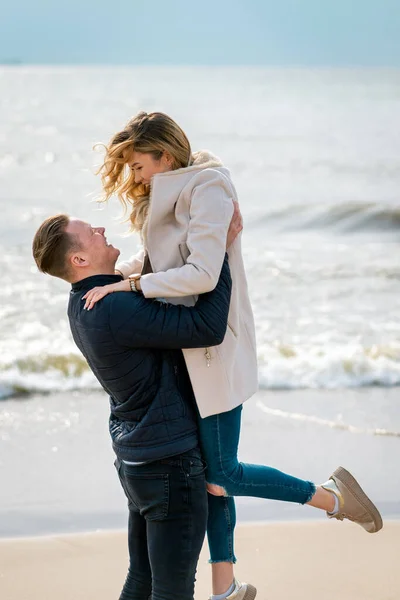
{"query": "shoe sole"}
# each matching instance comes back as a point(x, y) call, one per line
point(251, 592)
point(356, 490)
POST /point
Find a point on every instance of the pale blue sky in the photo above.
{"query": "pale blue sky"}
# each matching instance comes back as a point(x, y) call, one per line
point(235, 32)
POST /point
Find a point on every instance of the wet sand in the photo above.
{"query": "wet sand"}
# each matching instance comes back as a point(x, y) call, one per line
point(56, 461)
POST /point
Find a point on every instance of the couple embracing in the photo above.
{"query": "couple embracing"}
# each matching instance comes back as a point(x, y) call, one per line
point(170, 336)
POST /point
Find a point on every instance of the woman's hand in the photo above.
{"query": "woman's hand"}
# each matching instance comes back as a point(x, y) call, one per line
point(235, 226)
point(98, 293)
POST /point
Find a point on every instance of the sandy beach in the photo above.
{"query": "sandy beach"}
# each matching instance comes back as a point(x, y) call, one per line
point(284, 560)
point(56, 486)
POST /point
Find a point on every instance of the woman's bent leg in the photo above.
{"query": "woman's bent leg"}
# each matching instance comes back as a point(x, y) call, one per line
point(220, 438)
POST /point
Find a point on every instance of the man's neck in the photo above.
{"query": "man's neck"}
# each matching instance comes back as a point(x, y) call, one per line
point(91, 273)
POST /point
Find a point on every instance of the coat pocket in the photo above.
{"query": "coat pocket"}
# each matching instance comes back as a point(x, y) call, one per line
point(184, 251)
point(227, 353)
point(232, 329)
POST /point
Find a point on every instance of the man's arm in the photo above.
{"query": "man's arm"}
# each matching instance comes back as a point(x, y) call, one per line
point(139, 322)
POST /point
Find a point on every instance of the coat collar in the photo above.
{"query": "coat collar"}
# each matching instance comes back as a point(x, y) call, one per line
point(203, 159)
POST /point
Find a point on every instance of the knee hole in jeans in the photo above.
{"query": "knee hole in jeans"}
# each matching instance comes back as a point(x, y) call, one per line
point(216, 490)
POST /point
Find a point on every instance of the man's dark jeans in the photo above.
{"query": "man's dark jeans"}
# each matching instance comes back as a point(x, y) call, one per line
point(167, 502)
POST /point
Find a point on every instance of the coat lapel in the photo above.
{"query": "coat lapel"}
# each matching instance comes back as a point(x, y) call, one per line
point(166, 187)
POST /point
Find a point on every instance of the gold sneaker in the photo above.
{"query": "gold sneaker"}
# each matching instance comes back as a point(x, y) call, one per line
point(242, 591)
point(354, 503)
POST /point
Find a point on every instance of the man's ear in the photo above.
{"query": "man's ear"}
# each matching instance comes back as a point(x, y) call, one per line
point(78, 260)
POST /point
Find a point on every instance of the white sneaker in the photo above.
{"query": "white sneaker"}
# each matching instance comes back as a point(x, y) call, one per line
point(242, 591)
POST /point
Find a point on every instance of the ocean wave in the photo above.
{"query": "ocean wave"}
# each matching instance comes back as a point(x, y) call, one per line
point(286, 367)
point(46, 373)
point(345, 217)
point(280, 367)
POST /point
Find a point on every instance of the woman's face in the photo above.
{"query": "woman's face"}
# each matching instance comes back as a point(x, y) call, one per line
point(144, 166)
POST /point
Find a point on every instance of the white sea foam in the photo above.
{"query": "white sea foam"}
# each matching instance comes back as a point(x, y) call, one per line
point(279, 368)
point(276, 412)
point(329, 367)
point(14, 382)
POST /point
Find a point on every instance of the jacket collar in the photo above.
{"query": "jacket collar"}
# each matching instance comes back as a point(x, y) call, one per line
point(93, 281)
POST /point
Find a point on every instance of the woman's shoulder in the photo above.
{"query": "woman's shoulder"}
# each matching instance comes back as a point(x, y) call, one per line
point(210, 176)
point(206, 171)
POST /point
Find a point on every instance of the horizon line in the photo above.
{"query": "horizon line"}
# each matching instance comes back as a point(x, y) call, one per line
point(16, 63)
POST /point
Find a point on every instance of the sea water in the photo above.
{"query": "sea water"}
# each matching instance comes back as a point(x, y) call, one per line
point(315, 157)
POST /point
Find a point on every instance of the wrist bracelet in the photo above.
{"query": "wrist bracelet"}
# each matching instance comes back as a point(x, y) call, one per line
point(132, 283)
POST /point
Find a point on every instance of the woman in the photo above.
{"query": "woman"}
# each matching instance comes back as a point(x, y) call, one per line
point(182, 204)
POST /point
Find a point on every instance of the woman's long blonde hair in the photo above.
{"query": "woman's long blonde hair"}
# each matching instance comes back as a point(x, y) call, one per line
point(153, 133)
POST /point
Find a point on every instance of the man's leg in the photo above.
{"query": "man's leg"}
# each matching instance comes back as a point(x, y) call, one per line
point(175, 541)
point(138, 580)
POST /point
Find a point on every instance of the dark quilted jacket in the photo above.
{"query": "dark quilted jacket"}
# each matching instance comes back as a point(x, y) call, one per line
point(132, 345)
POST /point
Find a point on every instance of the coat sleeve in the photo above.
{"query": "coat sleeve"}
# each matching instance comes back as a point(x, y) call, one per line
point(211, 210)
point(138, 322)
point(131, 266)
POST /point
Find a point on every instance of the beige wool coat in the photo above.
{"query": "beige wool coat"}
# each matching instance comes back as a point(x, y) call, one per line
point(184, 236)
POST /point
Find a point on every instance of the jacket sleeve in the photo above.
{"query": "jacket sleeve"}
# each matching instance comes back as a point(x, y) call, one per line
point(131, 266)
point(138, 322)
point(211, 210)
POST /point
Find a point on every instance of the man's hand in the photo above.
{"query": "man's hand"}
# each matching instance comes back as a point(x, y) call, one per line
point(236, 225)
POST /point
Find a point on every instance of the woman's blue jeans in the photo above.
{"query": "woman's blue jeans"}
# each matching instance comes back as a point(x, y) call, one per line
point(219, 438)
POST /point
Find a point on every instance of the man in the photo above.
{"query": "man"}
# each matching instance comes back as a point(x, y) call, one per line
point(132, 345)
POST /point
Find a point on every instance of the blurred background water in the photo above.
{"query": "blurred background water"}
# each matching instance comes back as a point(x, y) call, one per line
point(315, 156)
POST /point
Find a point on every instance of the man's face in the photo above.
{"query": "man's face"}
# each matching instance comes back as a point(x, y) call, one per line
point(95, 253)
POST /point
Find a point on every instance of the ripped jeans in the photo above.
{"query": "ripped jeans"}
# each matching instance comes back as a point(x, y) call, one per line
point(219, 439)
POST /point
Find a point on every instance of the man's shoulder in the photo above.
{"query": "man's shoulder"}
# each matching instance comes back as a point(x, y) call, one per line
point(123, 303)
point(112, 305)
